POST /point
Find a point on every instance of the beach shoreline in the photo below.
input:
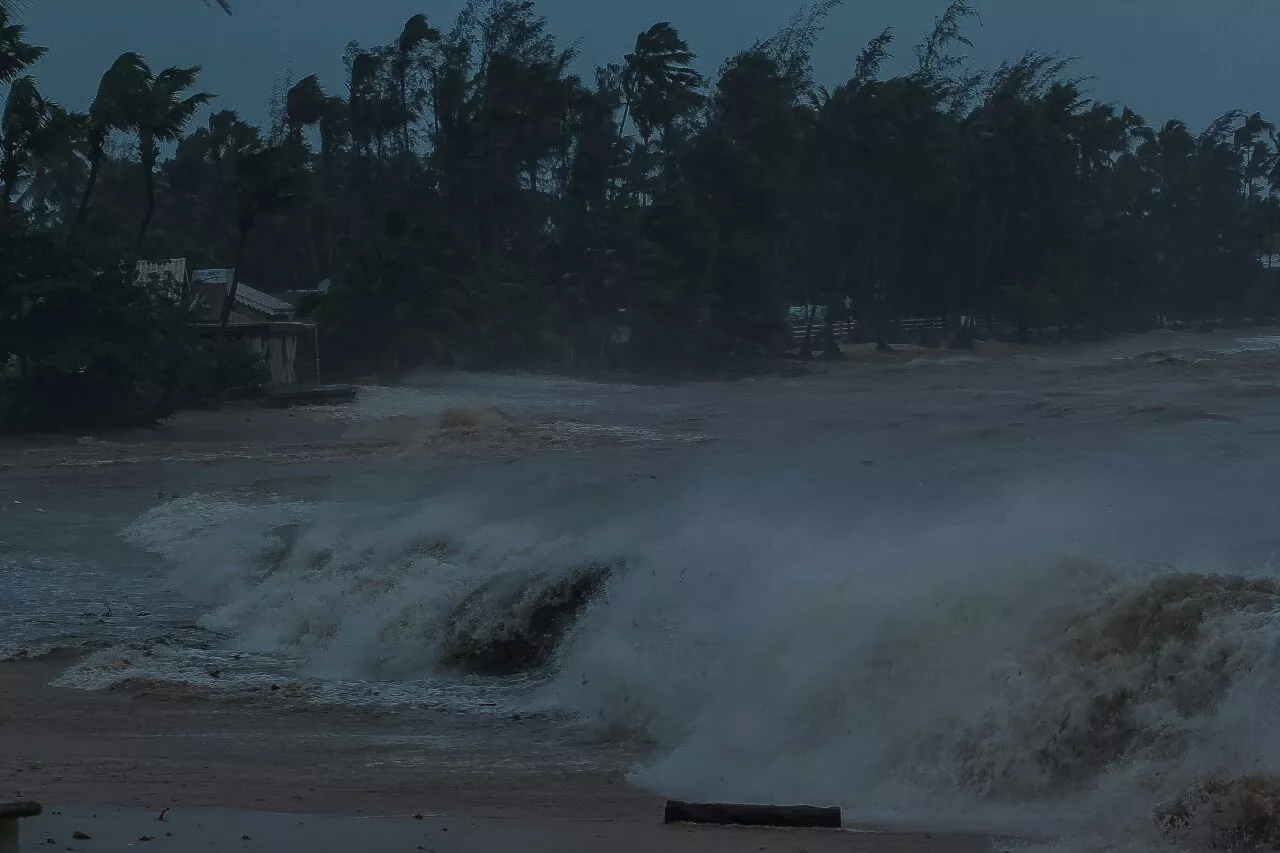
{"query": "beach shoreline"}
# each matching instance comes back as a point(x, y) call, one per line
point(292, 777)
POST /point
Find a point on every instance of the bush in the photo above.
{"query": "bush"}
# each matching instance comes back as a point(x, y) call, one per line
point(221, 367)
point(85, 345)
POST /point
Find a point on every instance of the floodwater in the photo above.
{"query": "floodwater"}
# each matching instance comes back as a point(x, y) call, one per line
point(1015, 590)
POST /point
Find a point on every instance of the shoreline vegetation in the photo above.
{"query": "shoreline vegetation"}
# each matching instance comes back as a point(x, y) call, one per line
point(474, 200)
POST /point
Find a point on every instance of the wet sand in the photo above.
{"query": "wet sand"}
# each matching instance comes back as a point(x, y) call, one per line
point(294, 777)
point(195, 830)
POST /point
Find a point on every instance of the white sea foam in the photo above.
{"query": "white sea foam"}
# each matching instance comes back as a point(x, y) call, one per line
point(965, 672)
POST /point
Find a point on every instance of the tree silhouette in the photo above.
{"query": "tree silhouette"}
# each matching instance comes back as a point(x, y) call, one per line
point(158, 110)
point(475, 198)
point(25, 112)
point(264, 185)
point(112, 110)
point(56, 165)
point(16, 55)
point(658, 80)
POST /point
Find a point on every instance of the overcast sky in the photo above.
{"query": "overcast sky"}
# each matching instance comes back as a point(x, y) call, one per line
point(1193, 59)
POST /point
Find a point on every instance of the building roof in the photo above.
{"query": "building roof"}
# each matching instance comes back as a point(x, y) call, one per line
point(249, 297)
point(222, 277)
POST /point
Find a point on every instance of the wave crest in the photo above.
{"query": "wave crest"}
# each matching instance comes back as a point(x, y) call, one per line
point(958, 675)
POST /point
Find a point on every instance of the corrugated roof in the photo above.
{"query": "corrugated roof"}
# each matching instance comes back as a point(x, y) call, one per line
point(250, 297)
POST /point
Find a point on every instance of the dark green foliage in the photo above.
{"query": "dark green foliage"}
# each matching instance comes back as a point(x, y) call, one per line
point(83, 345)
point(476, 202)
point(221, 368)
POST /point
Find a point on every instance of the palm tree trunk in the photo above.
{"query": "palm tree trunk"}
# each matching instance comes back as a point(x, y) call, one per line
point(404, 111)
point(149, 182)
point(626, 113)
point(9, 172)
point(230, 301)
point(82, 211)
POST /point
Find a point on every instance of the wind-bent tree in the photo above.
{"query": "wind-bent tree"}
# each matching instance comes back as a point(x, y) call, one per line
point(264, 185)
point(25, 112)
point(305, 106)
point(113, 109)
point(57, 167)
point(159, 113)
point(658, 81)
point(409, 58)
point(16, 55)
point(473, 199)
point(24, 109)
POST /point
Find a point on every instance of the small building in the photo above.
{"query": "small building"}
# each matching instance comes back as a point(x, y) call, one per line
point(265, 323)
point(171, 274)
point(210, 287)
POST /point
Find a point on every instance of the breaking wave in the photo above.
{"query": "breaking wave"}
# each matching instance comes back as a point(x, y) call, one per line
point(967, 673)
point(372, 593)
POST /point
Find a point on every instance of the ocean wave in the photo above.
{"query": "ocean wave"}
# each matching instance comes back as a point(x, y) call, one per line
point(968, 673)
point(374, 593)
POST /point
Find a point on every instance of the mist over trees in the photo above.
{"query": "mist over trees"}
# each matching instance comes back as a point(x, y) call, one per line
point(476, 197)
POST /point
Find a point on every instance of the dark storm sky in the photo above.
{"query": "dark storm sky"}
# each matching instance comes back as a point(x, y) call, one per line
point(1188, 58)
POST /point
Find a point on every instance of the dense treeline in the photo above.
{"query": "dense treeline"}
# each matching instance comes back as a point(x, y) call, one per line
point(475, 199)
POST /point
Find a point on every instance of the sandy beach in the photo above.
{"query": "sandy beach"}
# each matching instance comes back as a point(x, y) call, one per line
point(274, 775)
point(217, 830)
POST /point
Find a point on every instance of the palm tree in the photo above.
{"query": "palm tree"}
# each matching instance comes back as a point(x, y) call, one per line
point(305, 106)
point(57, 167)
point(227, 140)
point(416, 33)
point(658, 81)
point(111, 110)
point(159, 114)
point(264, 185)
point(15, 54)
point(24, 113)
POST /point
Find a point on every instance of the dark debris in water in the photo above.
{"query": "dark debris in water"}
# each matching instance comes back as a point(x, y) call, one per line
point(532, 618)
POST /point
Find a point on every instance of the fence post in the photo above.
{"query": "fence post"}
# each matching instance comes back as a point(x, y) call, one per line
point(10, 814)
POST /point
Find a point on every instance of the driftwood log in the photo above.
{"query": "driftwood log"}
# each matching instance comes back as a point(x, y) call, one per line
point(322, 395)
point(809, 817)
point(10, 814)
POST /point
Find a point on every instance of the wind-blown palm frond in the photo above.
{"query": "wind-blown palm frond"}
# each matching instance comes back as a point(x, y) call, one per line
point(658, 80)
point(24, 113)
point(168, 114)
point(159, 113)
point(15, 54)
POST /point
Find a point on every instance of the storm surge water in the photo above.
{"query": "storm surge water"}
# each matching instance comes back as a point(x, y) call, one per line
point(995, 669)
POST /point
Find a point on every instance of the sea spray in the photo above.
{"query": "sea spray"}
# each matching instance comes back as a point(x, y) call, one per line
point(958, 672)
point(376, 592)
